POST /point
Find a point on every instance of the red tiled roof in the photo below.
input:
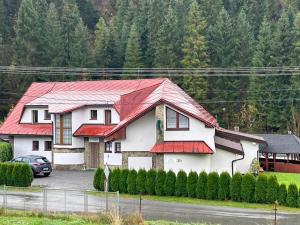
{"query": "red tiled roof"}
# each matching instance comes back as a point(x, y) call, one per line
point(92, 130)
point(188, 147)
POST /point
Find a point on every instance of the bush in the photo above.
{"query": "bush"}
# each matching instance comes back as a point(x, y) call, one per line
point(282, 194)
point(123, 180)
point(159, 183)
point(236, 187)
point(15, 175)
point(131, 181)
point(169, 186)
point(3, 167)
point(5, 152)
point(97, 179)
point(150, 182)
point(192, 184)
point(272, 189)
point(25, 175)
point(212, 186)
point(201, 189)
point(141, 181)
point(9, 174)
point(248, 188)
point(115, 177)
point(102, 182)
point(292, 196)
point(260, 189)
point(180, 185)
point(224, 186)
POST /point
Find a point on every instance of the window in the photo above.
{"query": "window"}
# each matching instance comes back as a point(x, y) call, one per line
point(47, 115)
point(93, 114)
point(117, 147)
point(35, 116)
point(108, 147)
point(18, 160)
point(35, 145)
point(63, 129)
point(176, 121)
point(48, 145)
point(107, 117)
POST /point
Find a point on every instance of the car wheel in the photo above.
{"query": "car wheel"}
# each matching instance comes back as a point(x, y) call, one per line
point(46, 174)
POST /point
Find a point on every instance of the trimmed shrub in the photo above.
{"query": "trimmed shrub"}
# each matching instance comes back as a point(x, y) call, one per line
point(150, 182)
point(180, 185)
point(224, 186)
point(212, 186)
point(141, 181)
point(248, 188)
point(16, 176)
point(272, 189)
point(260, 189)
point(102, 182)
point(236, 187)
point(192, 184)
point(9, 174)
point(25, 175)
point(97, 179)
point(123, 180)
point(5, 152)
point(115, 177)
point(292, 196)
point(160, 182)
point(282, 194)
point(3, 173)
point(169, 186)
point(131, 181)
point(201, 189)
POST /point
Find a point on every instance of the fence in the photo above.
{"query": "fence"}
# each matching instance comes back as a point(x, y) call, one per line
point(64, 201)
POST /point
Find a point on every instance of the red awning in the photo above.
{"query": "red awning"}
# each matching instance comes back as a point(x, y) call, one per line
point(196, 147)
point(93, 130)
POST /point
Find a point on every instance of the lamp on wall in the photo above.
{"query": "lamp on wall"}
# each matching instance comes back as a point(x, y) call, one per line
point(159, 126)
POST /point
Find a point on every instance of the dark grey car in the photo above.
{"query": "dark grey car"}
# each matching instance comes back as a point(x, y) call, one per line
point(40, 165)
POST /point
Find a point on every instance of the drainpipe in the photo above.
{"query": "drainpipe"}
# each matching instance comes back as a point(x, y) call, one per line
point(233, 161)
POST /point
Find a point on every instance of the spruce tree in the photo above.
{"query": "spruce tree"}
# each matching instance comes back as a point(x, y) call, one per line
point(210, 9)
point(101, 36)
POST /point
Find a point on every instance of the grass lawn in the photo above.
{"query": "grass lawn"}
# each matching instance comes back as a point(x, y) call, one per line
point(286, 178)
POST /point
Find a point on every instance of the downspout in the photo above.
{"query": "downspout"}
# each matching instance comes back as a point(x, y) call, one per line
point(234, 161)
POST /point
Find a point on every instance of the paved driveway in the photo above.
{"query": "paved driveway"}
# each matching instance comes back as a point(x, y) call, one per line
point(82, 180)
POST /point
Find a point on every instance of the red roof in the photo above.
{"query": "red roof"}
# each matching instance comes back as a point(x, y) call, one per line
point(92, 130)
point(196, 147)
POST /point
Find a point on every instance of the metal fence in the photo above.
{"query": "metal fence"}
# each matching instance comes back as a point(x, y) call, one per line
point(65, 201)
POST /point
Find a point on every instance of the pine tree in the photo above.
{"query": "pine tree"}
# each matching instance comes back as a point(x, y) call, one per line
point(297, 41)
point(133, 54)
point(101, 36)
point(210, 9)
point(195, 52)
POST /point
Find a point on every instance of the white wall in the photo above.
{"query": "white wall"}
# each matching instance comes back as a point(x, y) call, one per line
point(197, 132)
point(23, 146)
point(250, 150)
point(187, 162)
point(221, 161)
point(27, 115)
point(68, 158)
point(137, 163)
point(113, 159)
point(141, 134)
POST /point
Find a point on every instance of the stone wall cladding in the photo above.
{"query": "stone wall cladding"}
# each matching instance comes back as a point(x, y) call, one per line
point(159, 115)
point(69, 167)
point(157, 159)
point(68, 150)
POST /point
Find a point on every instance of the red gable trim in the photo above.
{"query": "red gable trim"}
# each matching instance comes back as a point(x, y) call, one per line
point(186, 147)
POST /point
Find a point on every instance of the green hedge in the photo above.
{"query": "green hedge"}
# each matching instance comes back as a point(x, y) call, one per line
point(16, 174)
point(212, 186)
point(169, 186)
point(180, 185)
point(201, 188)
point(272, 189)
point(131, 182)
point(224, 186)
point(248, 188)
point(9, 181)
point(292, 196)
point(236, 187)
point(282, 194)
point(150, 182)
point(123, 180)
point(192, 181)
point(97, 179)
point(115, 177)
point(160, 182)
point(5, 152)
point(261, 189)
point(141, 181)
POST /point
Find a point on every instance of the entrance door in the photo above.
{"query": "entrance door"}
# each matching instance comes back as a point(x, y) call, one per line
point(94, 156)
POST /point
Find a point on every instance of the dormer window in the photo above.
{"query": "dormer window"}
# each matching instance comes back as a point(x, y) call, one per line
point(47, 115)
point(176, 121)
point(93, 114)
point(35, 116)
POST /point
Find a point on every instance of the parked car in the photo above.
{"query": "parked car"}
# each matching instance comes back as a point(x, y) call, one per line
point(40, 165)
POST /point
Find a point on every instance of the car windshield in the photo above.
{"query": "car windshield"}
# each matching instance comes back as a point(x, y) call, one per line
point(41, 160)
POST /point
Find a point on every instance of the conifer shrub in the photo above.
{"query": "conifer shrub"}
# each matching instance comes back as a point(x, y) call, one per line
point(3, 167)
point(212, 186)
point(169, 186)
point(25, 175)
point(248, 188)
point(102, 182)
point(292, 196)
point(131, 182)
point(282, 194)
point(15, 175)
point(236, 187)
point(97, 179)
point(123, 180)
point(141, 181)
point(192, 184)
point(261, 189)
point(159, 183)
point(272, 189)
point(224, 186)
point(181, 183)
point(5, 151)
point(9, 174)
point(150, 182)
point(201, 189)
point(115, 177)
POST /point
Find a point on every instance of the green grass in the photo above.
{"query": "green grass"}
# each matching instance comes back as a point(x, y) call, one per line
point(21, 189)
point(286, 178)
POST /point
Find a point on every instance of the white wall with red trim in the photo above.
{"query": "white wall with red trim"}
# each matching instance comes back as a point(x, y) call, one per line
point(27, 115)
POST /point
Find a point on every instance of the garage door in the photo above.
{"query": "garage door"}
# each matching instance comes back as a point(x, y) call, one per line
point(137, 163)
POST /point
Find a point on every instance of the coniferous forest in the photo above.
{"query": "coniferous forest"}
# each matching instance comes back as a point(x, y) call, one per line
point(165, 34)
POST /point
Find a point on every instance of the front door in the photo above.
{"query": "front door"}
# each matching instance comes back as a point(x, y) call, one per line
point(94, 156)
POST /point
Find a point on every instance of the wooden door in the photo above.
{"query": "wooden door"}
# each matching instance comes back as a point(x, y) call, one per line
point(94, 156)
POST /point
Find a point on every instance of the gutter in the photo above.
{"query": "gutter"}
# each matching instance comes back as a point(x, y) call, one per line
point(233, 161)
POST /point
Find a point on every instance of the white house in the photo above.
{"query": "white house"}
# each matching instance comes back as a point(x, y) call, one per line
point(149, 123)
